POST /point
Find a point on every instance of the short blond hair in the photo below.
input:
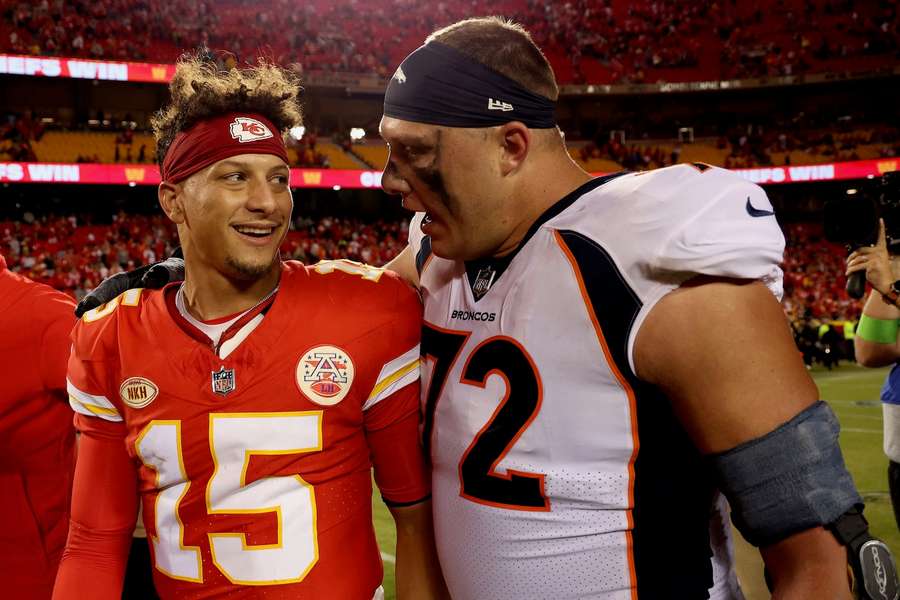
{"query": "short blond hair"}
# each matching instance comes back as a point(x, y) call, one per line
point(504, 46)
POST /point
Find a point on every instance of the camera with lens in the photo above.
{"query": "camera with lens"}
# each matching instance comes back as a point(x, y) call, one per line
point(852, 220)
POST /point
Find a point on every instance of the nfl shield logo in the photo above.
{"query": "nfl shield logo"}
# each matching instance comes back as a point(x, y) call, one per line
point(223, 381)
point(483, 282)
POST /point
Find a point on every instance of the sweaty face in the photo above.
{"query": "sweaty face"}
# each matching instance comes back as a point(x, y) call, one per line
point(236, 214)
point(449, 174)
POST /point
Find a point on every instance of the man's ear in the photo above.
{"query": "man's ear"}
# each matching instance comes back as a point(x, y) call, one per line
point(516, 140)
point(171, 200)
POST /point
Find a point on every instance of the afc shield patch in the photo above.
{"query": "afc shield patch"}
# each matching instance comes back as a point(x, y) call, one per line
point(325, 374)
point(223, 381)
point(138, 392)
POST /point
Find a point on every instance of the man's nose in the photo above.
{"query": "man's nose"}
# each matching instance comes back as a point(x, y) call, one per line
point(391, 181)
point(261, 197)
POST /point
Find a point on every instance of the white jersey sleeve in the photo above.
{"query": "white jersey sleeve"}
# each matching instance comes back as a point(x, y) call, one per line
point(726, 231)
point(662, 228)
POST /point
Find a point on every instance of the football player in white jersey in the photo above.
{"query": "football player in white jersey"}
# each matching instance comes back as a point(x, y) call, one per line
point(601, 355)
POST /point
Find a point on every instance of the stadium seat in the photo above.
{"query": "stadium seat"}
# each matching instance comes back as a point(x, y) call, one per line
point(374, 154)
point(67, 146)
point(337, 158)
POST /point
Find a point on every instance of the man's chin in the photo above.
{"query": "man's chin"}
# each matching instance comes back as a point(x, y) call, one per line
point(246, 270)
point(445, 248)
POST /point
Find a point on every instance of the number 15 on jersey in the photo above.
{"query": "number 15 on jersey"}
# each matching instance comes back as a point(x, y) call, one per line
point(233, 439)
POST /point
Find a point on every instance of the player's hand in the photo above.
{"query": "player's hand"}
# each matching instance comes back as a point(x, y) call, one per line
point(876, 262)
point(152, 276)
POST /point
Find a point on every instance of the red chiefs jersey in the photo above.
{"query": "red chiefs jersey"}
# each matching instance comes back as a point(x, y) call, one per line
point(254, 469)
point(36, 435)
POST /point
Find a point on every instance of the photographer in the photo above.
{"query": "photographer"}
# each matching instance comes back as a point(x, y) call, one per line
point(877, 344)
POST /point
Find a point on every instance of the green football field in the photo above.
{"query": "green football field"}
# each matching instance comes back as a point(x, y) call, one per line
point(853, 393)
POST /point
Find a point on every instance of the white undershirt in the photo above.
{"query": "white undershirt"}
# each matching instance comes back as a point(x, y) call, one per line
point(214, 331)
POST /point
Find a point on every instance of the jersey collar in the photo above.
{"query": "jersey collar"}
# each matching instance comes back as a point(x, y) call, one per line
point(483, 273)
point(171, 293)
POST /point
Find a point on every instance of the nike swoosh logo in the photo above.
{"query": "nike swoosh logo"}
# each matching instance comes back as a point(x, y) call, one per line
point(755, 212)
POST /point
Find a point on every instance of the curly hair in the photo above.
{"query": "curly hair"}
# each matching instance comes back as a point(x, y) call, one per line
point(200, 90)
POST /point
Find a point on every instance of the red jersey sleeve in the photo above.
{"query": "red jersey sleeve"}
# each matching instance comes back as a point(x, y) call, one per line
point(391, 412)
point(92, 365)
point(104, 495)
point(104, 511)
point(59, 311)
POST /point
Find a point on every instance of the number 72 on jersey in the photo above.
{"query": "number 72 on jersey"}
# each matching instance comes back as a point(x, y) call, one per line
point(505, 357)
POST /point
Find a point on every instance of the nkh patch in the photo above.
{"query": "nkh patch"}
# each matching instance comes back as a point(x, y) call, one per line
point(325, 374)
point(138, 392)
point(223, 381)
point(245, 129)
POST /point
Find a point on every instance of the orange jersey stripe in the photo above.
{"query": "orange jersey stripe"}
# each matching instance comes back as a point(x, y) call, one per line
point(632, 403)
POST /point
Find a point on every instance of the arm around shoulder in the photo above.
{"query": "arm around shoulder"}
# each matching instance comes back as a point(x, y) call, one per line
point(404, 265)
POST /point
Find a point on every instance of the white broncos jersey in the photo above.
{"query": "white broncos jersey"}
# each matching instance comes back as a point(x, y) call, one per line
point(556, 472)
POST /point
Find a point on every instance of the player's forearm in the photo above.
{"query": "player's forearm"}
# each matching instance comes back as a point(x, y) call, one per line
point(418, 573)
point(404, 265)
point(809, 564)
point(104, 509)
point(870, 353)
point(876, 307)
point(94, 561)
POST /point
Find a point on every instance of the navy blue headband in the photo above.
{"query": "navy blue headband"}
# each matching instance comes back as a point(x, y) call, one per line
point(439, 85)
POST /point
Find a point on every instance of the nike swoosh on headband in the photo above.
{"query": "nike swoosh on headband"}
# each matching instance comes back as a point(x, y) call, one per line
point(755, 212)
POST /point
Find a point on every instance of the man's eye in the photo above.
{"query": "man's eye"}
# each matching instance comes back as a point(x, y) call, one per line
point(234, 177)
point(281, 179)
point(414, 152)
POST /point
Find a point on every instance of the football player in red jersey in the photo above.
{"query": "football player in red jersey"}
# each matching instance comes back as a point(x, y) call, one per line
point(37, 440)
point(246, 407)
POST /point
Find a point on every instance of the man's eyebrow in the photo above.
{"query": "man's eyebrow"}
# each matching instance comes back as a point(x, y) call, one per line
point(240, 164)
point(233, 163)
point(410, 140)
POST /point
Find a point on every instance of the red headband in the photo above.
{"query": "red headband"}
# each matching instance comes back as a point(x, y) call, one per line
point(212, 140)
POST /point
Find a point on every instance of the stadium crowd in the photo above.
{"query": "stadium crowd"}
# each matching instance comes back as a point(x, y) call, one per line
point(754, 145)
point(73, 253)
point(816, 302)
point(17, 131)
point(611, 41)
point(832, 134)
